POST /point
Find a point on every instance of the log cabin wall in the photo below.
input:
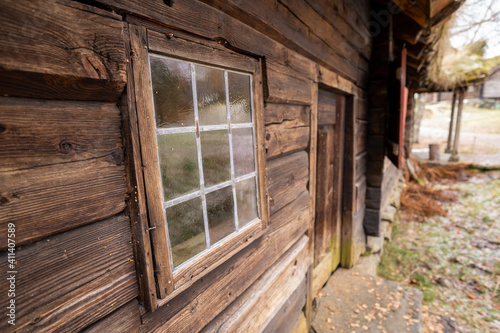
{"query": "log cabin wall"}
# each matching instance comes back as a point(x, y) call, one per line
point(69, 181)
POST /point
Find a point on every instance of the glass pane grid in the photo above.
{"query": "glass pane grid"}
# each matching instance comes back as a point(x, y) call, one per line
point(211, 103)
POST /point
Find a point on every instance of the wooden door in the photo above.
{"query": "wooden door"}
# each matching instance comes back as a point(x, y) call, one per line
point(327, 227)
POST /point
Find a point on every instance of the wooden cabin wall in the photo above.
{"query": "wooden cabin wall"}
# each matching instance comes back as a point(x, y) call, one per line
point(62, 170)
point(65, 174)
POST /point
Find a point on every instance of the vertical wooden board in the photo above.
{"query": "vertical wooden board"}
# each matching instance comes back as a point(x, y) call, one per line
point(287, 178)
point(200, 304)
point(321, 273)
point(61, 50)
point(45, 200)
point(137, 203)
point(324, 193)
point(253, 311)
point(125, 319)
point(71, 280)
point(149, 155)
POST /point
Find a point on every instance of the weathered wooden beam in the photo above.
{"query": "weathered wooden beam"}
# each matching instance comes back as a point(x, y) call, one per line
point(452, 118)
point(71, 280)
point(454, 154)
point(446, 12)
point(61, 50)
point(418, 11)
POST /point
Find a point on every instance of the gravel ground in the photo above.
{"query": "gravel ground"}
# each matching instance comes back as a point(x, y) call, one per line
point(454, 260)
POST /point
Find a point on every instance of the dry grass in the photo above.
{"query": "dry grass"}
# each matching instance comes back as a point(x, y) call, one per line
point(420, 198)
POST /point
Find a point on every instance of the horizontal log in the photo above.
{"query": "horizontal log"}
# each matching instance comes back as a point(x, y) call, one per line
point(287, 179)
point(286, 137)
point(277, 113)
point(200, 304)
point(290, 312)
point(125, 319)
point(361, 164)
point(288, 89)
point(61, 50)
point(253, 311)
point(45, 200)
point(334, 80)
point(326, 107)
point(66, 282)
point(281, 23)
point(360, 193)
point(40, 132)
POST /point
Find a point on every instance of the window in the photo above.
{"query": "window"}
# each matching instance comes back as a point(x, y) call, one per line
point(206, 153)
point(199, 112)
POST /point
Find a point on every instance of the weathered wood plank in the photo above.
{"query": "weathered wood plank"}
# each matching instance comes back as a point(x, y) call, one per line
point(333, 80)
point(137, 205)
point(40, 132)
point(71, 280)
point(149, 155)
point(360, 193)
point(45, 200)
point(286, 88)
point(325, 207)
point(253, 311)
point(286, 137)
point(326, 107)
point(321, 273)
point(61, 50)
point(290, 312)
point(125, 319)
point(200, 304)
point(287, 179)
point(282, 24)
point(361, 136)
point(278, 113)
point(361, 164)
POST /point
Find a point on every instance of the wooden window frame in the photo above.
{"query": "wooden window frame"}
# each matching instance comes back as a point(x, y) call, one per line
point(146, 38)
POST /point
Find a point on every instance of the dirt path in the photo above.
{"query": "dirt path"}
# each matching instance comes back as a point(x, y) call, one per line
point(453, 260)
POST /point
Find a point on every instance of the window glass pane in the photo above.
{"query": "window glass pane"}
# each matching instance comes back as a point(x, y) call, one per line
point(240, 107)
point(186, 230)
point(172, 92)
point(246, 199)
point(178, 164)
point(215, 157)
point(220, 210)
point(243, 151)
point(210, 87)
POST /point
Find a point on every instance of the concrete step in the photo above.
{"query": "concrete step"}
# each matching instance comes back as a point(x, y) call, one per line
point(355, 302)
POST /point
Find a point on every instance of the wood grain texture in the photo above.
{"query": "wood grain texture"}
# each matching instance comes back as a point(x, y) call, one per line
point(149, 155)
point(253, 310)
point(286, 137)
point(278, 113)
point(71, 280)
point(41, 132)
point(326, 107)
point(200, 304)
point(282, 24)
point(361, 136)
point(290, 312)
point(323, 223)
point(360, 193)
point(137, 205)
point(45, 198)
point(125, 319)
point(61, 50)
point(361, 164)
point(287, 88)
point(287, 178)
